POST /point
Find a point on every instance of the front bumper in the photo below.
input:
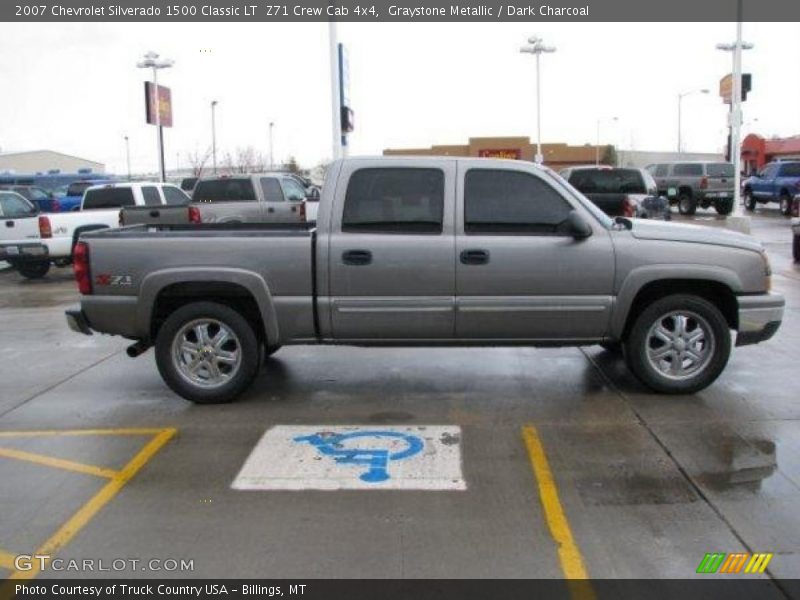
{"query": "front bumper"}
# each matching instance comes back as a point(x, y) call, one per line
point(759, 317)
point(76, 321)
point(19, 251)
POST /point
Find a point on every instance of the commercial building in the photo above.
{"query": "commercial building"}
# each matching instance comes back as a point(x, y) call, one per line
point(42, 161)
point(758, 151)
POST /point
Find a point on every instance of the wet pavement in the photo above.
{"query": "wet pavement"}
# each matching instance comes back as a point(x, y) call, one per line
point(646, 484)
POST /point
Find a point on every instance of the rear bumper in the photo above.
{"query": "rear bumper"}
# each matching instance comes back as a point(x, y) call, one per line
point(19, 251)
point(760, 317)
point(77, 322)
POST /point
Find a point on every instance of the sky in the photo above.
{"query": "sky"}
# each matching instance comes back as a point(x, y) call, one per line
point(75, 88)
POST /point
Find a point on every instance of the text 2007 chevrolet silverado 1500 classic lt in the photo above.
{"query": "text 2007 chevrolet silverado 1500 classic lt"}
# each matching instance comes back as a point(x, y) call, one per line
point(429, 251)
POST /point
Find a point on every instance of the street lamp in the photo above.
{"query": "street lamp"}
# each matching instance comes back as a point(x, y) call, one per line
point(128, 155)
point(597, 145)
point(537, 48)
point(271, 157)
point(681, 96)
point(736, 219)
point(214, 135)
point(151, 60)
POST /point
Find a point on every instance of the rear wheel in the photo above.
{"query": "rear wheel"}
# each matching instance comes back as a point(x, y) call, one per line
point(207, 352)
point(786, 205)
point(687, 205)
point(724, 207)
point(749, 201)
point(679, 344)
point(33, 269)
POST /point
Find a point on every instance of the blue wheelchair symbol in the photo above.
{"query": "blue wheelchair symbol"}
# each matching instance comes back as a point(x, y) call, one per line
point(377, 460)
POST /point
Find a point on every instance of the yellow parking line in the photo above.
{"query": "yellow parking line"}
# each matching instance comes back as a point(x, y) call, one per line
point(6, 560)
point(85, 513)
point(58, 463)
point(68, 432)
point(568, 553)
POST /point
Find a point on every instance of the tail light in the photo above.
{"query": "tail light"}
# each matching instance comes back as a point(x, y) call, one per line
point(704, 183)
point(194, 215)
point(796, 207)
point(55, 206)
point(628, 207)
point(303, 212)
point(80, 266)
point(45, 230)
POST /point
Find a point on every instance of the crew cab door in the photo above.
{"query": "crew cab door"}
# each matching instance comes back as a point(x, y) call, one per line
point(762, 186)
point(519, 273)
point(391, 251)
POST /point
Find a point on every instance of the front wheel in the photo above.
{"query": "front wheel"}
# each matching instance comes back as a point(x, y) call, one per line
point(786, 205)
point(679, 344)
point(724, 207)
point(749, 201)
point(33, 269)
point(207, 353)
point(687, 205)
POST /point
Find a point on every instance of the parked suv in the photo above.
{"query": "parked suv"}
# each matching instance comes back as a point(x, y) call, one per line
point(262, 198)
point(776, 182)
point(693, 184)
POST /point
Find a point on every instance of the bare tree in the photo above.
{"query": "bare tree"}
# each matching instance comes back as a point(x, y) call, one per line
point(245, 160)
point(197, 161)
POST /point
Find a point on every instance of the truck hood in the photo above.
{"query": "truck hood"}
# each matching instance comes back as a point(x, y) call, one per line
point(645, 229)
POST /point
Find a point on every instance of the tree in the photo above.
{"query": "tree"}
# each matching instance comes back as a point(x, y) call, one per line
point(197, 161)
point(246, 160)
point(292, 165)
point(609, 156)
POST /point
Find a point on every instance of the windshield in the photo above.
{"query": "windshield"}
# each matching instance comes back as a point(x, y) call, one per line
point(110, 197)
point(598, 214)
point(608, 181)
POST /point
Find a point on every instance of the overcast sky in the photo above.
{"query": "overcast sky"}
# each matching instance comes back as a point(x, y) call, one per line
point(74, 88)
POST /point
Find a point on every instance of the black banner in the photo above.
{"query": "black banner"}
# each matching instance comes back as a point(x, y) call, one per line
point(399, 10)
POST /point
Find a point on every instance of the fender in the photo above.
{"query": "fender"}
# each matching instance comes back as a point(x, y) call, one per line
point(641, 276)
point(156, 281)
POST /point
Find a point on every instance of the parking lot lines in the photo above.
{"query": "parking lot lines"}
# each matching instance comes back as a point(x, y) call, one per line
point(569, 554)
point(117, 480)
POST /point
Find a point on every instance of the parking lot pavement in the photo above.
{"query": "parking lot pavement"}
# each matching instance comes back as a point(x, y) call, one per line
point(570, 466)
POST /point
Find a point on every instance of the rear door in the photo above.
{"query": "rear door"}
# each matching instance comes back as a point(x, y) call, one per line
point(228, 200)
point(278, 207)
point(519, 274)
point(392, 251)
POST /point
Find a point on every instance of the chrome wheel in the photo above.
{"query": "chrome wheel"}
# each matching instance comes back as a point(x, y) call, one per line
point(680, 344)
point(207, 353)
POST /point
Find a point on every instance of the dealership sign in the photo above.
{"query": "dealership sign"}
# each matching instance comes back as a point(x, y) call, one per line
point(164, 104)
point(514, 153)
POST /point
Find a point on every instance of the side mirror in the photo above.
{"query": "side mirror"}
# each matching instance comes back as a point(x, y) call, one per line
point(577, 226)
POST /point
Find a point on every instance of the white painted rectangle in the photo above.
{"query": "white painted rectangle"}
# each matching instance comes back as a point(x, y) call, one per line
point(354, 457)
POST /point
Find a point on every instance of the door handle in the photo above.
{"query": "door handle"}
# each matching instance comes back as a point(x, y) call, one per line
point(155, 213)
point(357, 257)
point(270, 209)
point(9, 223)
point(474, 257)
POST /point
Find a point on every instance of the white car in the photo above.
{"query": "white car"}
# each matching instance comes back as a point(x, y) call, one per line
point(20, 245)
point(100, 207)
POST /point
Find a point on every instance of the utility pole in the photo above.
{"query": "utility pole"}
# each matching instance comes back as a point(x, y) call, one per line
point(128, 156)
point(537, 48)
point(214, 135)
point(336, 116)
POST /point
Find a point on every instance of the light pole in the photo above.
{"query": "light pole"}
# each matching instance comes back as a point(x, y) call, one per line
point(597, 144)
point(151, 61)
point(128, 155)
point(336, 114)
point(271, 155)
point(214, 135)
point(736, 220)
point(537, 48)
point(681, 96)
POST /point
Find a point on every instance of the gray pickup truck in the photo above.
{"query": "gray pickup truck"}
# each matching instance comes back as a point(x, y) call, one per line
point(424, 251)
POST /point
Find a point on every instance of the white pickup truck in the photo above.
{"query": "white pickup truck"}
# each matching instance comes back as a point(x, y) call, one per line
point(20, 245)
point(100, 208)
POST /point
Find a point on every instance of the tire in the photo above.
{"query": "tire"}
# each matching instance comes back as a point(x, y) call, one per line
point(796, 248)
point(213, 380)
point(786, 205)
point(687, 205)
point(749, 201)
point(724, 207)
point(33, 269)
point(654, 333)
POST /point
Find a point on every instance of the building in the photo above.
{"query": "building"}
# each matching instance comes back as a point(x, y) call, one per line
point(556, 156)
point(758, 151)
point(42, 161)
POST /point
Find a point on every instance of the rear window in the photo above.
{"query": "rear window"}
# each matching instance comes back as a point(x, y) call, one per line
point(77, 189)
point(790, 170)
point(224, 190)
point(608, 181)
point(188, 184)
point(112, 197)
point(690, 169)
point(719, 170)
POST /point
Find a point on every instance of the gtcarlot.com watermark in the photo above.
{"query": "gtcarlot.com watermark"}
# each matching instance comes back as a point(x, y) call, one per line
point(44, 562)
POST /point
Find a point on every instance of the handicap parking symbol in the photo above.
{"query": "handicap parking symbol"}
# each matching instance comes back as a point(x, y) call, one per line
point(375, 459)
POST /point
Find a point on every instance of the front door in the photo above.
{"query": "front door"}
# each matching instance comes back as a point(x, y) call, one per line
point(519, 273)
point(391, 252)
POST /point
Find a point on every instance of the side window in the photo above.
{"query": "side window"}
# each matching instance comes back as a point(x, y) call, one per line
point(769, 171)
point(790, 170)
point(174, 197)
point(662, 170)
point(293, 191)
point(497, 201)
point(688, 170)
point(650, 184)
point(13, 206)
point(271, 189)
point(151, 197)
point(394, 200)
